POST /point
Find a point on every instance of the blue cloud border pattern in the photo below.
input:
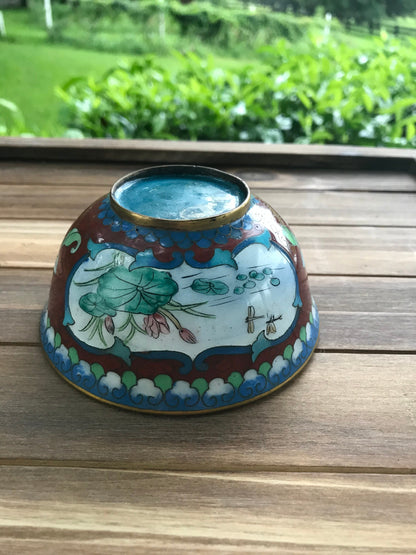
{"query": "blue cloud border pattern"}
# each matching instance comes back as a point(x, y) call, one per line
point(162, 394)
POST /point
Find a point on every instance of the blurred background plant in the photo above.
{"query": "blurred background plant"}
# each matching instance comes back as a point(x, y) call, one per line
point(279, 71)
point(12, 121)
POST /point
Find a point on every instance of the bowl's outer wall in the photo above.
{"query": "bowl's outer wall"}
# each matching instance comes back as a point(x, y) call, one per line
point(135, 378)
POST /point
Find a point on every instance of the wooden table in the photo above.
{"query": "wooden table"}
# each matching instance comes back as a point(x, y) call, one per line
point(326, 465)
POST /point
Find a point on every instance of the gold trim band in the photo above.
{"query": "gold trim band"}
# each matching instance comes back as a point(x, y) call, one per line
point(196, 224)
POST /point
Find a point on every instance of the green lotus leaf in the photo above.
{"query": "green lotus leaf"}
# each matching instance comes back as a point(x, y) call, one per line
point(96, 305)
point(208, 287)
point(139, 291)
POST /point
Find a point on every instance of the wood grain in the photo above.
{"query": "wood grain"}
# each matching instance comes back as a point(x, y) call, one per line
point(358, 250)
point(209, 153)
point(356, 313)
point(160, 545)
point(221, 512)
point(76, 174)
point(309, 207)
point(326, 249)
point(344, 412)
point(325, 465)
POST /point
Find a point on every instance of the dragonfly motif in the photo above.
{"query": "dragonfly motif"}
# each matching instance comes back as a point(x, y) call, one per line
point(251, 316)
point(270, 327)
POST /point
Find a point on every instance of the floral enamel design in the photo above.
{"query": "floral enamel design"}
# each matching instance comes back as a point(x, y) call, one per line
point(140, 292)
point(120, 308)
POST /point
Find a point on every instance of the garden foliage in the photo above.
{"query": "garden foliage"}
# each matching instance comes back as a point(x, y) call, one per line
point(357, 10)
point(315, 92)
point(11, 119)
point(157, 26)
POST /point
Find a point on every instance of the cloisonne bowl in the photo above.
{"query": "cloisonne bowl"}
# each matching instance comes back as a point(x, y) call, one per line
point(179, 292)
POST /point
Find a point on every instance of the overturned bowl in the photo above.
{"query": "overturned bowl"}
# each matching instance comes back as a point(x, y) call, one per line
point(179, 292)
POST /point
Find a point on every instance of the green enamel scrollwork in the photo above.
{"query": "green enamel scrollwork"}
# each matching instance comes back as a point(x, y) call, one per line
point(73, 236)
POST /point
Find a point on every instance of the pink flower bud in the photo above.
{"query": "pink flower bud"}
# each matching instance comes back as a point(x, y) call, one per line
point(109, 324)
point(187, 336)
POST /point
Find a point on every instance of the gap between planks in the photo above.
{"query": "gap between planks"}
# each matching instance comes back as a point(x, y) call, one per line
point(231, 470)
point(49, 542)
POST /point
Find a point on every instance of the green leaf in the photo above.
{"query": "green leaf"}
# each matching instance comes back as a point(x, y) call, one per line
point(304, 99)
point(139, 291)
point(208, 287)
point(11, 106)
point(368, 102)
point(410, 131)
point(96, 305)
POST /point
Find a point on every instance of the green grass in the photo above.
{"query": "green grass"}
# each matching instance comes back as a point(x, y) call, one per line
point(21, 27)
point(32, 67)
point(30, 73)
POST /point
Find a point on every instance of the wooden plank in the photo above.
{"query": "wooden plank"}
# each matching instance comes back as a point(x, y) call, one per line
point(326, 180)
point(220, 512)
point(344, 412)
point(352, 315)
point(358, 250)
point(305, 208)
point(343, 208)
point(76, 173)
point(326, 249)
point(209, 153)
point(43, 202)
point(33, 245)
point(84, 174)
point(166, 544)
